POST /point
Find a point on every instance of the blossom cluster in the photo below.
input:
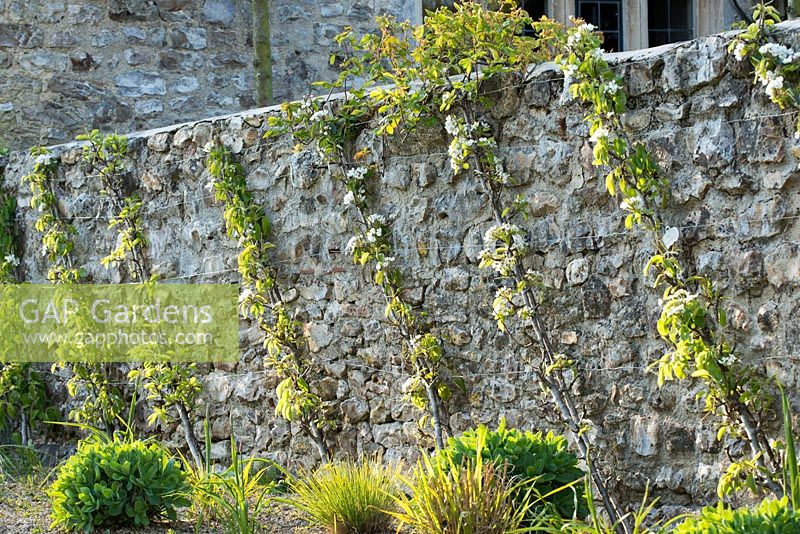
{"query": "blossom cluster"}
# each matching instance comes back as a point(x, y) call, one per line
point(504, 246)
point(772, 82)
point(782, 54)
point(356, 192)
point(579, 33)
point(461, 147)
point(12, 260)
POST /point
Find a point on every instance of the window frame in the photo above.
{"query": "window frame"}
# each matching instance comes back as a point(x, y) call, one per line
point(620, 31)
point(669, 29)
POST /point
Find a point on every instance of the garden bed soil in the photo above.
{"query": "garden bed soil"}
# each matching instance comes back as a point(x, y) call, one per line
point(24, 509)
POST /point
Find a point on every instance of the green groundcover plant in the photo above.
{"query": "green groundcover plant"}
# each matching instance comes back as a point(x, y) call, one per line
point(770, 517)
point(541, 462)
point(116, 483)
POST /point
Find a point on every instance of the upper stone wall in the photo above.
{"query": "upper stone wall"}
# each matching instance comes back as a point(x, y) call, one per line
point(733, 165)
point(71, 65)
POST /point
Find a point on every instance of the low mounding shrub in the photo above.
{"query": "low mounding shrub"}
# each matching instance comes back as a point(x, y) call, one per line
point(347, 498)
point(769, 517)
point(115, 483)
point(469, 498)
point(541, 463)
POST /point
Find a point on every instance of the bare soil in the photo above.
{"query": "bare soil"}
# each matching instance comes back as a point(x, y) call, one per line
point(24, 509)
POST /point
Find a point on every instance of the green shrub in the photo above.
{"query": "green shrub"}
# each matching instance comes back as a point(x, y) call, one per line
point(347, 498)
point(769, 517)
point(540, 462)
point(468, 498)
point(117, 483)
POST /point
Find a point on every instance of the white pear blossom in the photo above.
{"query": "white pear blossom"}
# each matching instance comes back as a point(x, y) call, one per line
point(451, 125)
point(601, 132)
point(375, 219)
point(382, 264)
point(43, 159)
point(580, 32)
point(357, 173)
point(728, 360)
point(634, 203)
point(353, 243)
point(738, 52)
point(349, 198)
point(781, 53)
point(318, 116)
point(500, 174)
point(773, 86)
point(670, 237)
point(611, 87)
point(570, 70)
point(501, 306)
point(12, 260)
point(246, 294)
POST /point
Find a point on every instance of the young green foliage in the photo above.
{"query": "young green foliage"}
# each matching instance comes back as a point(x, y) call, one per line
point(541, 463)
point(110, 483)
point(768, 517)
point(693, 321)
point(262, 300)
point(57, 234)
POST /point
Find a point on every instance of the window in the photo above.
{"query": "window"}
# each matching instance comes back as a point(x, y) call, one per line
point(535, 10)
point(607, 16)
point(433, 5)
point(669, 21)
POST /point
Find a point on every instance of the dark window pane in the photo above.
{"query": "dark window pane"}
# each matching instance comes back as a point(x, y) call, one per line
point(535, 8)
point(609, 17)
point(611, 42)
point(657, 14)
point(606, 15)
point(433, 5)
point(678, 36)
point(588, 12)
point(658, 38)
point(680, 15)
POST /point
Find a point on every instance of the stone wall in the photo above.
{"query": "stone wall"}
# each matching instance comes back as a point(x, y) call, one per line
point(71, 65)
point(733, 163)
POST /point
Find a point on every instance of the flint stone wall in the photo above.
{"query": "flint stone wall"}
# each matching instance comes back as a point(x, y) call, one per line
point(67, 66)
point(733, 164)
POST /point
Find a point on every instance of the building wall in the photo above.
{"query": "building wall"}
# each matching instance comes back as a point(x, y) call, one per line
point(732, 162)
point(71, 65)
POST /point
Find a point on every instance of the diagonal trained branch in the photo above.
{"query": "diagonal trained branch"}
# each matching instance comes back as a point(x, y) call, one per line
point(473, 147)
point(262, 299)
point(100, 398)
point(693, 320)
point(334, 131)
point(442, 64)
point(168, 386)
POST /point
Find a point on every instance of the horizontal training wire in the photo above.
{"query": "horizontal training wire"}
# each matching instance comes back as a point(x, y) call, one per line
point(409, 247)
point(363, 366)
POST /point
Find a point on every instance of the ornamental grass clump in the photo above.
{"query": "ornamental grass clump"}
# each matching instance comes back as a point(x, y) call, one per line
point(347, 497)
point(111, 483)
point(547, 472)
point(469, 498)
